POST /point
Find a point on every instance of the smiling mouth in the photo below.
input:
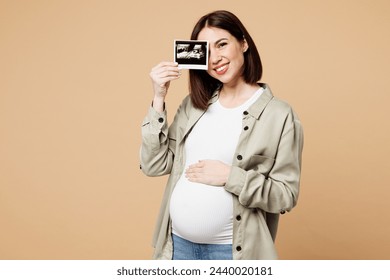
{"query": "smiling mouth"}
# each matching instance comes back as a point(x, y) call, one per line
point(222, 69)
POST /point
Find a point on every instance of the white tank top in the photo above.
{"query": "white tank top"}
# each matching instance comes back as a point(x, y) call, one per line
point(202, 213)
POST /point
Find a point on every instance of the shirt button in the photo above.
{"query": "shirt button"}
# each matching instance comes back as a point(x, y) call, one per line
point(245, 113)
point(160, 120)
point(239, 157)
point(246, 128)
point(238, 217)
point(238, 248)
point(282, 212)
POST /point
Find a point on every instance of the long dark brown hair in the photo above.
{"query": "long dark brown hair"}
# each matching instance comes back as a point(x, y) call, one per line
point(201, 84)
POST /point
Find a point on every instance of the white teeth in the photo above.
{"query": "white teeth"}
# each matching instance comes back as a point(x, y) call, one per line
point(221, 68)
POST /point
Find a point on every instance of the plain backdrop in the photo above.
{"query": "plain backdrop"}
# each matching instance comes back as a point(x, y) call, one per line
point(75, 86)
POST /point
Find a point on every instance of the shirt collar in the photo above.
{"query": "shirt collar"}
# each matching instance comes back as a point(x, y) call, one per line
point(258, 107)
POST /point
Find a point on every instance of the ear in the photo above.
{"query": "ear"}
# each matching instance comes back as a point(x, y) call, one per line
point(245, 45)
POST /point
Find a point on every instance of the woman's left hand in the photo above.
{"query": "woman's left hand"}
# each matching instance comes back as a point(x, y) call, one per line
point(210, 172)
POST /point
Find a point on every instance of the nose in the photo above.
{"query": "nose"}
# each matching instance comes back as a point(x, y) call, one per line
point(214, 57)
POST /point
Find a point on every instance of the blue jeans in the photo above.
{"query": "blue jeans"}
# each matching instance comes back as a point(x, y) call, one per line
point(187, 250)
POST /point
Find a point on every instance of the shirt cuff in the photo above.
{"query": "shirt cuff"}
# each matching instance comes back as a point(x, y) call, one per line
point(236, 180)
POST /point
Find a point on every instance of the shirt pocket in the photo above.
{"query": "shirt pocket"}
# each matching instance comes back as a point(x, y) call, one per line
point(261, 164)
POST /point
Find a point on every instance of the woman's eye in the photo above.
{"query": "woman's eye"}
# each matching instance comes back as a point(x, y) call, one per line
point(220, 45)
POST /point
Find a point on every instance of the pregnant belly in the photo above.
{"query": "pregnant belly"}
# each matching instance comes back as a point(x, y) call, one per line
point(201, 213)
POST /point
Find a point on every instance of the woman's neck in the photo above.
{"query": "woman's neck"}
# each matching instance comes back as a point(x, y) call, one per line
point(233, 96)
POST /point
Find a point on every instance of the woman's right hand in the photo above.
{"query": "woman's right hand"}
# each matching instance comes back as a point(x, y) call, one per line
point(161, 75)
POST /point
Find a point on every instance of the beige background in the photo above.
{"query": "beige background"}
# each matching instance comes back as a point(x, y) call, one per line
point(74, 88)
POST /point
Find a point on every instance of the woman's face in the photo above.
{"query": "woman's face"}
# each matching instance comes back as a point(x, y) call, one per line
point(226, 55)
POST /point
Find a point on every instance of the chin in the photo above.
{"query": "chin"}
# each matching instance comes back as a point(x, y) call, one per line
point(225, 80)
point(222, 79)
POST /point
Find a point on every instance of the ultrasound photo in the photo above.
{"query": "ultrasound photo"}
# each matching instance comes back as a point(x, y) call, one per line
point(191, 54)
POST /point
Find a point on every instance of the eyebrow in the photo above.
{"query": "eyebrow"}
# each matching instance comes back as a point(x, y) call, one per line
point(216, 43)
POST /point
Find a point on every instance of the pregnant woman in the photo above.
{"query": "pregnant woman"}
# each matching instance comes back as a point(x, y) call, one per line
point(233, 152)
